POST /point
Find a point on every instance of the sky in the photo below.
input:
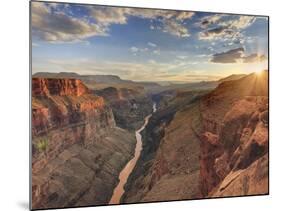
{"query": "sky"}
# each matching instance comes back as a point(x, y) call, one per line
point(146, 44)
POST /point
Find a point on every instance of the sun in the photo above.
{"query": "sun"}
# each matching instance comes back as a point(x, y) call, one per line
point(259, 67)
point(258, 71)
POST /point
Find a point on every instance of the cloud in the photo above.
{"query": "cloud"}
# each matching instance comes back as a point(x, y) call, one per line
point(226, 28)
point(108, 15)
point(230, 56)
point(209, 20)
point(237, 56)
point(175, 28)
point(211, 33)
point(220, 32)
point(157, 52)
point(171, 20)
point(254, 58)
point(151, 61)
point(54, 22)
point(134, 49)
point(154, 14)
point(241, 23)
point(184, 15)
point(34, 44)
point(57, 26)
point(202, 55)
point(182, 57)
point(152, 44)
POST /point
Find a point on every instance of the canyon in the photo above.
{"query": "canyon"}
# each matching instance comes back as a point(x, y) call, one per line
point(208, 144)
point(169, 165)
point(125, 173)
point(129, 105)
point(207, 139)
point(77, 149)
point(128, 100)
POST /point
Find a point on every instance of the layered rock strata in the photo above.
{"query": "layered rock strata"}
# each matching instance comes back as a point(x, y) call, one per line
point(77, 150)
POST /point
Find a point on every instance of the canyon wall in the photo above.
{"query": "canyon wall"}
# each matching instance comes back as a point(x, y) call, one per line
point(205, 144)
point(169, 165)
point(234, 142)
point(130, 105)
point(128, 100)
point(199, 144)
point(77, 150)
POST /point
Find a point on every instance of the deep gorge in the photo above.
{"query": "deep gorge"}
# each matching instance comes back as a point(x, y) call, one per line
point(198, 144)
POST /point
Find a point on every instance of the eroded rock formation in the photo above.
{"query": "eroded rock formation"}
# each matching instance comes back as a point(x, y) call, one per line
point(234, 144)
point(61, 87)
point(129, 105)
point(77, 150)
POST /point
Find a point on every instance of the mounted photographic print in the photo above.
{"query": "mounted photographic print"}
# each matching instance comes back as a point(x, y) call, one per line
point(133, 105)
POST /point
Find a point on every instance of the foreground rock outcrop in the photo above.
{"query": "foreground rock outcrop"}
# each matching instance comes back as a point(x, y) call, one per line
point(77, 150)
point(234, 144)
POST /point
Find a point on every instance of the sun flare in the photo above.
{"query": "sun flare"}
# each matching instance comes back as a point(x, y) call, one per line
point(259, 67)
point(258, 71)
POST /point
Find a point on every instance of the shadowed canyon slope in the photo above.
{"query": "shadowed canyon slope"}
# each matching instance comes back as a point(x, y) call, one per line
point(77, 150)
point(129, 105)
point(169, 165)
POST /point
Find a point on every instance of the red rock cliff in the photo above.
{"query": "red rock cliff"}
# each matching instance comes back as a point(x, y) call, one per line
point(77, 150)
point(64, 113)
point(60, 87)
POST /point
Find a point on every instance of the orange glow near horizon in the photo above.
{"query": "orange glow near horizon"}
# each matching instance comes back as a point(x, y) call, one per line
point(257, 67)
point(259, 71)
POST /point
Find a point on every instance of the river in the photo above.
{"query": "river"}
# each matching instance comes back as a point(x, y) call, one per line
point(127, 170)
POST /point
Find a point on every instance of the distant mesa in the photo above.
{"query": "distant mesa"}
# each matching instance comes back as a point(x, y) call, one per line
point(55, 75)
point(99, 82)
point(114, 79)
point(54, 86)
point(98, 79)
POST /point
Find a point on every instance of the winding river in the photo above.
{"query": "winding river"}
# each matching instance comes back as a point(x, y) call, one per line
point(125, 173)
